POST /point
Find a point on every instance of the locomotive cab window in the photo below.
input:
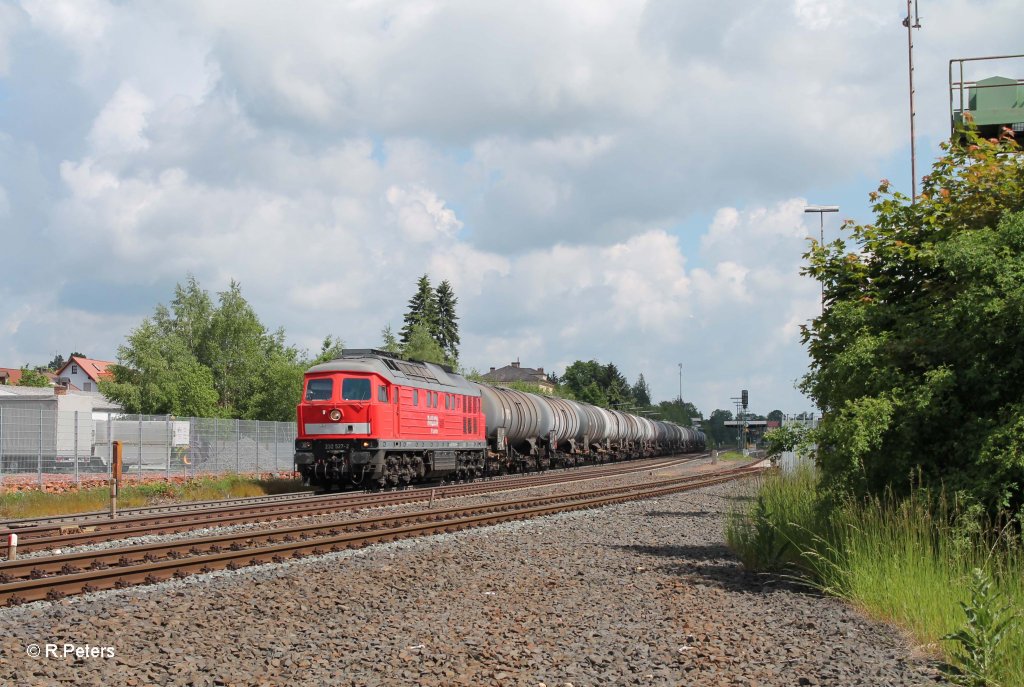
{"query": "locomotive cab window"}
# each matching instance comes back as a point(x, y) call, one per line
point(319, 390)
point(382, 394)
point(354, 389)
point(415, 397)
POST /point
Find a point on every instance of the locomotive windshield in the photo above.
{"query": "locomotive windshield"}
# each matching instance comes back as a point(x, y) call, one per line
point(355, 390)
point(319, 390)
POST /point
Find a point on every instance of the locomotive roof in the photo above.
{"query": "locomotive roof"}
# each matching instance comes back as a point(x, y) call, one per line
point(398, 371)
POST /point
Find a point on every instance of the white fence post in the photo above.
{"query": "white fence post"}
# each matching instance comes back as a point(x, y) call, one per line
point(110, 444)
point(77, 477)
point(257, 447)
point(169, 436)
point(140, 444)
point(276, 469)
point(1, 445)
point(238, 445)
point(39, 449)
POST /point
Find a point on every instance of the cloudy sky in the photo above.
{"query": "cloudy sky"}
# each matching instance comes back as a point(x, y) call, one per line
point(614, 180)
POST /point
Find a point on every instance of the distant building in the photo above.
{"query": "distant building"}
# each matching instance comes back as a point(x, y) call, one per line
point(10, 376)
point(85, 373)
point(59, 397)
point(514, 372)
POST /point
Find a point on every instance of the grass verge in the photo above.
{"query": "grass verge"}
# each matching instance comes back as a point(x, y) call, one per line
point(908, 561)
point(732, 455)
point(34, 504)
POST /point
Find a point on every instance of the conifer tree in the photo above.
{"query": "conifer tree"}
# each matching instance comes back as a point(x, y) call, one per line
point(447, 322)
point(642, 392)
point(422, 310)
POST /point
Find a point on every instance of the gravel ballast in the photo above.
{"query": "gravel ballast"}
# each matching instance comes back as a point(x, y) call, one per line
point(643, 593)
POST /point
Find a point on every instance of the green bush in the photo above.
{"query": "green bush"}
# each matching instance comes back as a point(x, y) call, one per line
point(907, 560)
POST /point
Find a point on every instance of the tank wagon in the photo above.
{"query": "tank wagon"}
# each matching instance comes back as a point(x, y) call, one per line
point(374, 419)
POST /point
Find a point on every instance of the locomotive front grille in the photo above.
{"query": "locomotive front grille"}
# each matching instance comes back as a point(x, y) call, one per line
point(316, 428)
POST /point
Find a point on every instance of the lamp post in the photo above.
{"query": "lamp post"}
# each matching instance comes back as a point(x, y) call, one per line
point(910, 70)
point(821, 210)
point(680, 385)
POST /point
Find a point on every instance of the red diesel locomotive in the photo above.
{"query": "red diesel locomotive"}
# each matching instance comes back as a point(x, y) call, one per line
point(372, 419)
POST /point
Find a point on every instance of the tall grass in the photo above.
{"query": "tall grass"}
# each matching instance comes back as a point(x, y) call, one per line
point(907, 561)
point(34, 504)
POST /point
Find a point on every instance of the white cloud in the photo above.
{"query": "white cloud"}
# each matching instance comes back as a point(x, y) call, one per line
point(82, 23)
point(11, 21)
point(542, 157)
point(421, 216)
point(120, 125)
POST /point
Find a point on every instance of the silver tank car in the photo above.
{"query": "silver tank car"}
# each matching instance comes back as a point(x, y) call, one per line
point(525, 417)
point(526, 431)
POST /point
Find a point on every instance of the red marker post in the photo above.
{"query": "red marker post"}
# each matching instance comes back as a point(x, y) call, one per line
point(115, 475)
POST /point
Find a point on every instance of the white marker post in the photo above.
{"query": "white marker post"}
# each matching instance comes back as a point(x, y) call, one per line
point(12, 547)
point(116, 462)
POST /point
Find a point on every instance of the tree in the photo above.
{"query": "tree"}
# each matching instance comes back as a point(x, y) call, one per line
point(422, 346)
point(915, 360)
point(55, 364)
point(679, 413)
point(641, 392)
point(391, 343)
point(422, 310)
point(776, 416)
point(779, 440)
point(717, 430)
point(196, 358)
point(157, 374)
point(330, 349)
point(34, 378)
point(235, 347)
point(193, 316)
point(600, 385)
point(447, 322)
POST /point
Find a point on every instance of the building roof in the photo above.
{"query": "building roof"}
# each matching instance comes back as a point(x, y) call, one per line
point(12, 375)
point(27, 391)
point(13, 394)
point(95, 369)
point(514, 372)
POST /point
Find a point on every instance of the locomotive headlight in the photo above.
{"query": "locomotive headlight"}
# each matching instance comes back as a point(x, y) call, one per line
point(366, 444)
point(335, 414)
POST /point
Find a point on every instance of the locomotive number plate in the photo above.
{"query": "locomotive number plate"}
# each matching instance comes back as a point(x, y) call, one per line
point(334, 447)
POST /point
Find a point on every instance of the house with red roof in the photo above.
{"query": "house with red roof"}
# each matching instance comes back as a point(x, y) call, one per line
point(10, 375)
point(85, 373)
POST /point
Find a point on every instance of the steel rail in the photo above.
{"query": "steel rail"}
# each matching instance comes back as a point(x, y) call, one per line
point(138, 564)
point(49, 537)
point(36, 567)
point(28, 526)
point(92, 531)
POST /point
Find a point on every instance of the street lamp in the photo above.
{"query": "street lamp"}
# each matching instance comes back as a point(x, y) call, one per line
point(680, 385)
point(821, 210)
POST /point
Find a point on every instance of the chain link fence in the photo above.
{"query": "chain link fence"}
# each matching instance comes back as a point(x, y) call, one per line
point(76, 445)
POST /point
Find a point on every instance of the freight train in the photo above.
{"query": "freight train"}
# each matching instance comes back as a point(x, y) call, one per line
point(374, 419)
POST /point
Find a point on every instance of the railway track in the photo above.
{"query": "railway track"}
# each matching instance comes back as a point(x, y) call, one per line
point(79, 532)
point(53, 577)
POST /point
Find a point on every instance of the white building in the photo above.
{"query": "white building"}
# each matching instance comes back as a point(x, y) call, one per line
point(85, 373)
